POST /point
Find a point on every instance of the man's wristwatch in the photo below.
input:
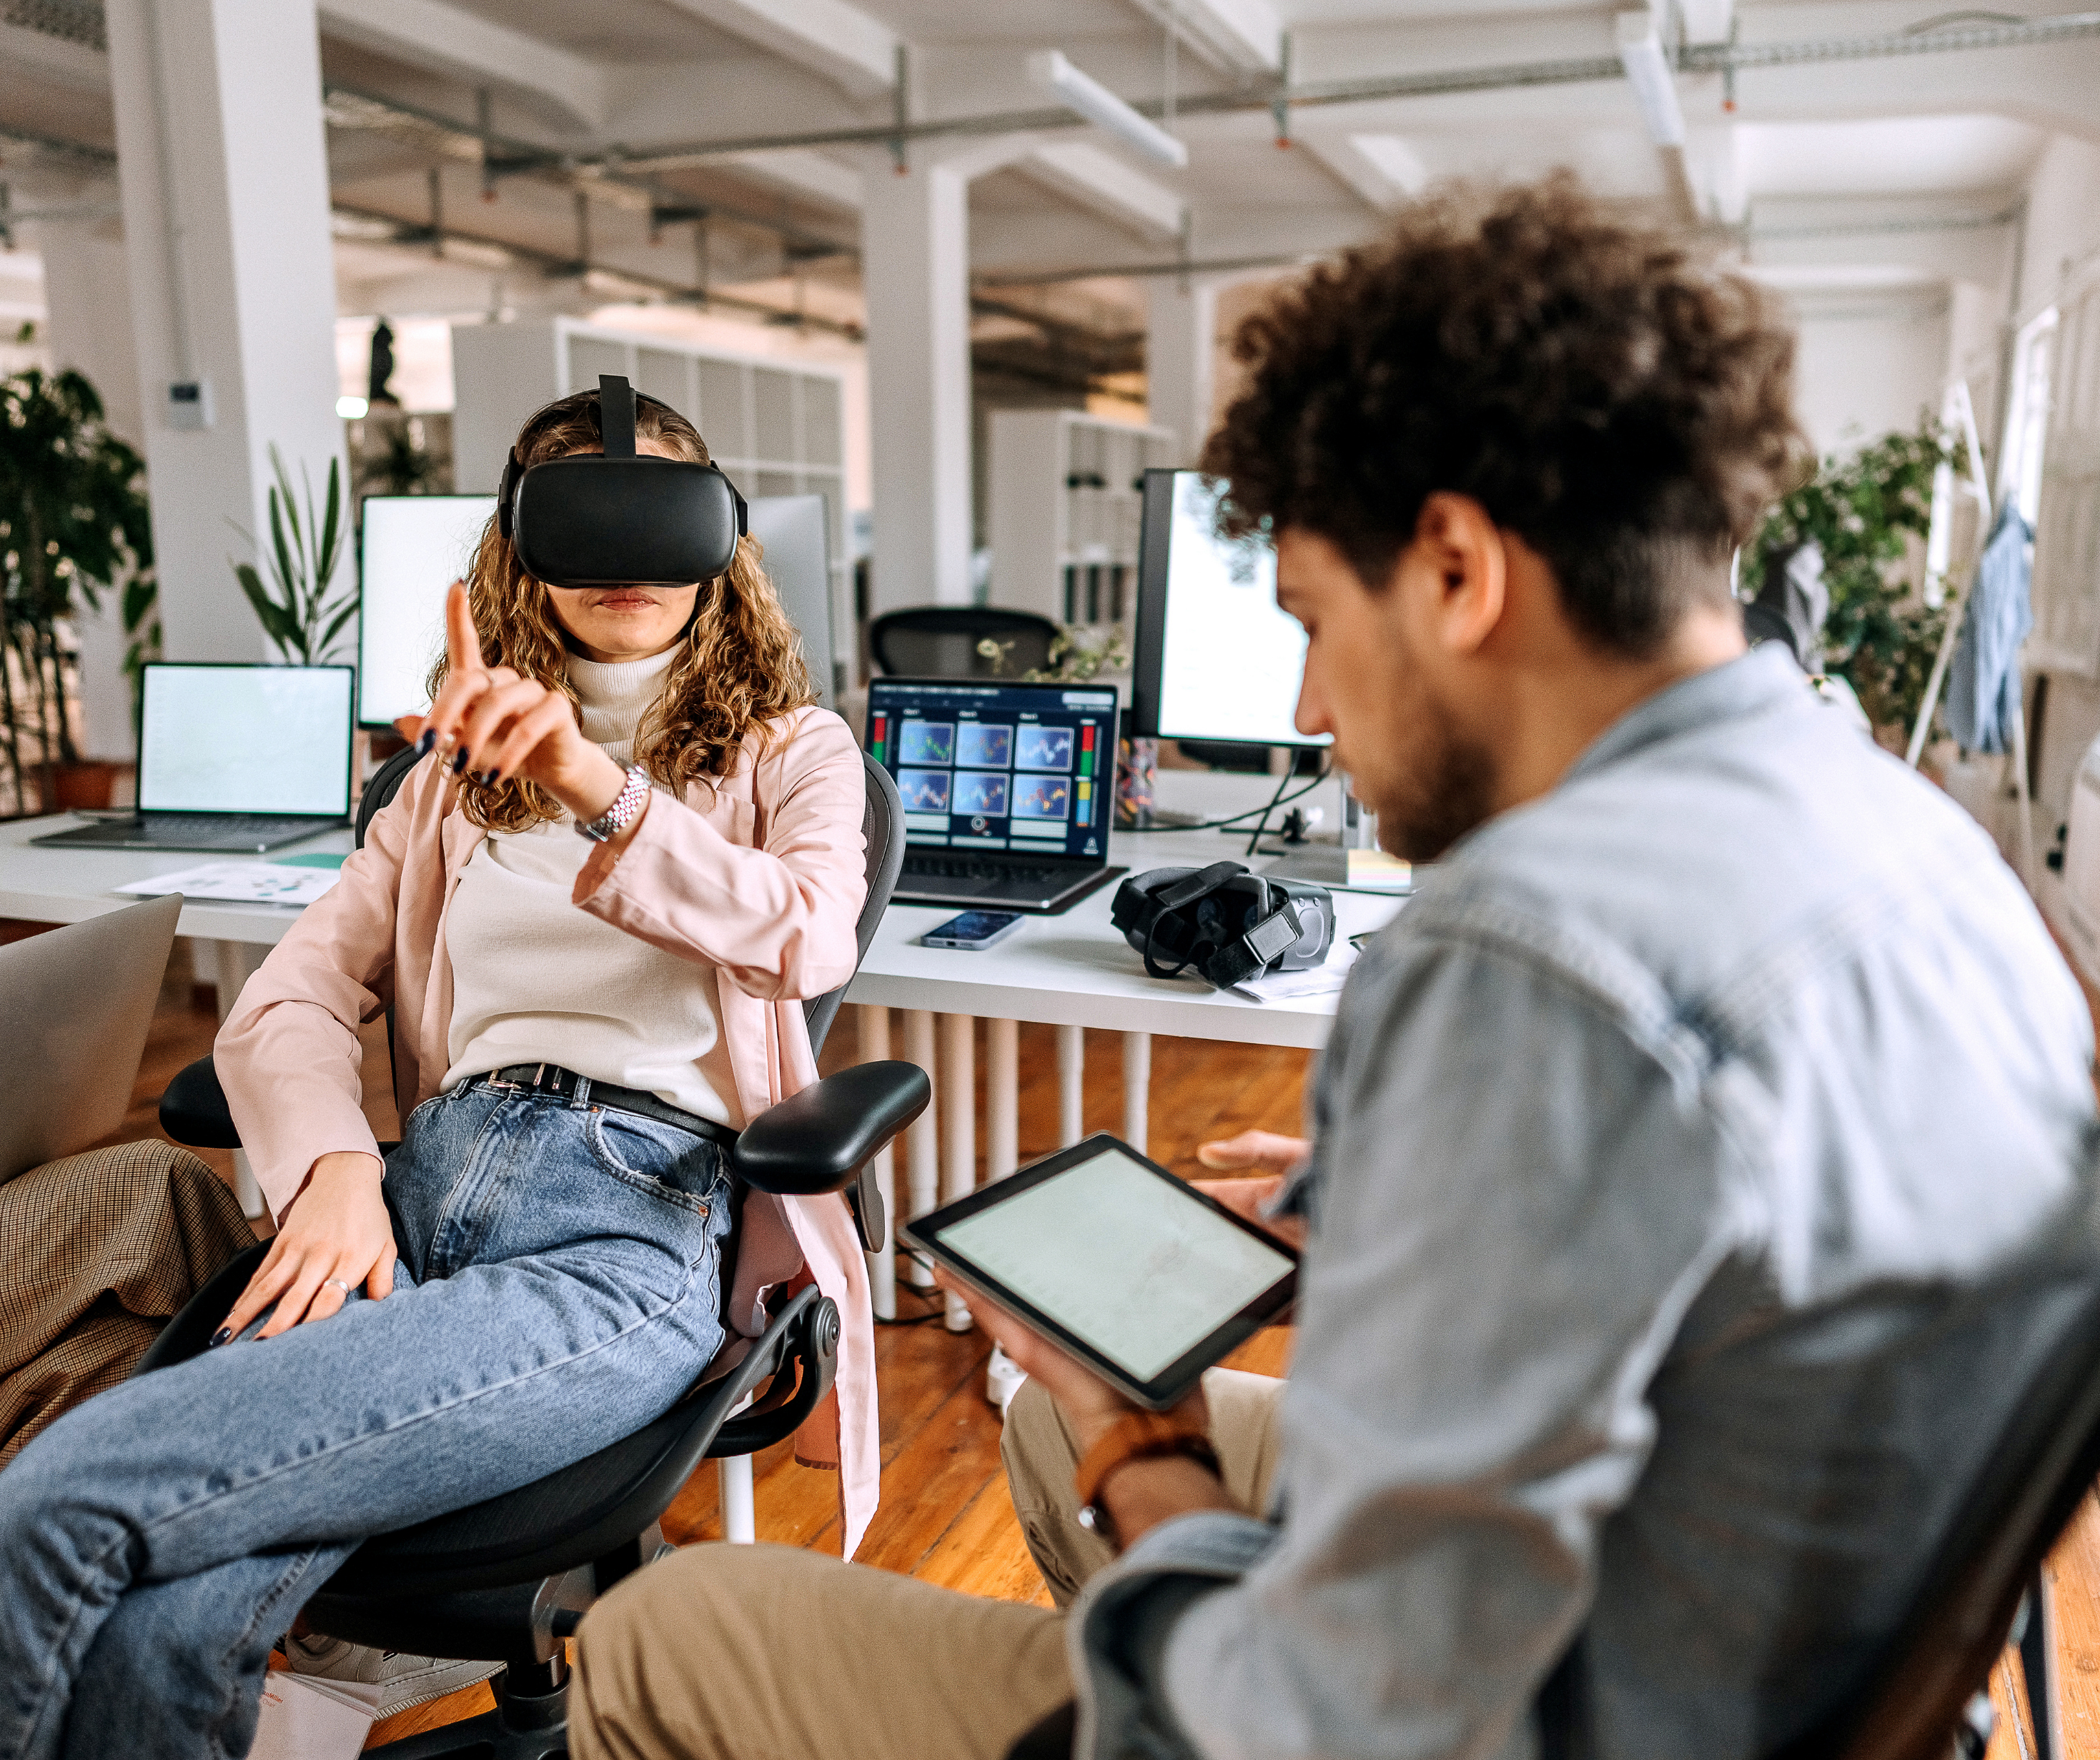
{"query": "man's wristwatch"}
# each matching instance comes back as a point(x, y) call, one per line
point(626, 806)
point(1135, 1435)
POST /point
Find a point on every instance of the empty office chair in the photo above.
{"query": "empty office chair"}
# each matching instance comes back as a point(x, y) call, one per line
point(508, 1579)
point(948, 641)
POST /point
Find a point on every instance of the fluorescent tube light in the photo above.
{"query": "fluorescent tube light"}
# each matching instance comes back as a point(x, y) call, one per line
point(1090, 99)
point(1648, 71)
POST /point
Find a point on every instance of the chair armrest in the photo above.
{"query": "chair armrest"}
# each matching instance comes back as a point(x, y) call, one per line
point(193, 1109)
point(815, 1141)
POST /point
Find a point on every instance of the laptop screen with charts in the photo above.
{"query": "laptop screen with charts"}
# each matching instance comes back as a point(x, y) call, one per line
point(1006, 787)
point(411, 549)
point(246, 739)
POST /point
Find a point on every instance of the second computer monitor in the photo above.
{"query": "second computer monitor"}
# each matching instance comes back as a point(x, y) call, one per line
point(414, 548)
point(1216, 658)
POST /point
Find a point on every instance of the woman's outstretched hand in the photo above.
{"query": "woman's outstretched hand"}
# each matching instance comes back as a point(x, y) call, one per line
point(336, 1236)
point(489, 720)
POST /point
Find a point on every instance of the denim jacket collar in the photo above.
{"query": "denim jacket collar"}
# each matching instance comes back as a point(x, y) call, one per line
point(1764, 677)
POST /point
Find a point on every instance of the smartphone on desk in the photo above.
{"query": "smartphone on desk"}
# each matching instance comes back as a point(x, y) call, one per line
point(974, 929)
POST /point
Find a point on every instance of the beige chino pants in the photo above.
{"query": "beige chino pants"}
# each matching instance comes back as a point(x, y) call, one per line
point(769, 1652)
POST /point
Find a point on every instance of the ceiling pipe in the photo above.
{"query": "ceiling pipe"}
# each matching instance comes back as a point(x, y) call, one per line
point(1726, 59)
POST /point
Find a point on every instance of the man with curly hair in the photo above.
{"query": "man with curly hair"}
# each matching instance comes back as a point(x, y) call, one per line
point(1702, 1160)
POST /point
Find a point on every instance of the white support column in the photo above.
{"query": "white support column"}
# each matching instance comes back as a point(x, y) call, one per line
point(1071, 1085)
point(1137, 1089)
point(882, 1264)
point(87, 292)
point(1181, 357)
point(915, 266)
point(922, 1141)
point(1001, 1098)
point(959, 1134)
point(223, 174)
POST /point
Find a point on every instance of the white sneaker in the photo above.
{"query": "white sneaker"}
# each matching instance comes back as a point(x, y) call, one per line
point(404, 1680)
point(1002, 1379)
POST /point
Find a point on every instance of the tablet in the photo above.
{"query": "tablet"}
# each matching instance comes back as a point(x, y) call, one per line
point(1133, 1271)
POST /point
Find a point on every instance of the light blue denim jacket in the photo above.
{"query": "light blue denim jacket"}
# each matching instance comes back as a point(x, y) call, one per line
point(1697, 1157)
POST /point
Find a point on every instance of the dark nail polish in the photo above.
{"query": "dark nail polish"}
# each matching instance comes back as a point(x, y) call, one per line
point(487, 779)
point(459, 762)
point(423, 745)
point(221, 1335)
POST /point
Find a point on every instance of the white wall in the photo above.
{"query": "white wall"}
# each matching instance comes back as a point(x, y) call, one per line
point(2062, 229)
point(1867, 362)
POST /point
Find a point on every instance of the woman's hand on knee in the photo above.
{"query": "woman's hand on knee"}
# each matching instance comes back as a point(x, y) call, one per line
point(337, 1234)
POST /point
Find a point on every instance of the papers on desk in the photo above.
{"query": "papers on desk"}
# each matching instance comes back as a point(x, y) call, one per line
point(1286, 987)
point(306, 1718)
point(240, 883)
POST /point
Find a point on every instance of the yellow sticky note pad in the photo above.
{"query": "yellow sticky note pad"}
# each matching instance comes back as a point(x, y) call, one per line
point(1374, 867)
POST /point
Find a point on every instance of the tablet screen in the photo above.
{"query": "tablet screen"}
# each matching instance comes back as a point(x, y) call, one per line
point(1122, 1258)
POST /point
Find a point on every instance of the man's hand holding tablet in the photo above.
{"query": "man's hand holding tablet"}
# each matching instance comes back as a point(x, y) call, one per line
point(1115, 1285)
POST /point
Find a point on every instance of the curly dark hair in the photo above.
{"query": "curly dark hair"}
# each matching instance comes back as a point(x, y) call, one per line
point(1621, 408)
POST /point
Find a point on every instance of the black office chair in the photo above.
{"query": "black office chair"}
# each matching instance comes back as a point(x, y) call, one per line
point(949, 642)
point(508, 1579)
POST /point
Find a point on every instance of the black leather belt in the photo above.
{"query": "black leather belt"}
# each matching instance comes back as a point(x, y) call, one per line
point(552, 1079)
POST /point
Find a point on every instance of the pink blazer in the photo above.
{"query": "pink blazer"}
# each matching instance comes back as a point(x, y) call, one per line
point(759, 874)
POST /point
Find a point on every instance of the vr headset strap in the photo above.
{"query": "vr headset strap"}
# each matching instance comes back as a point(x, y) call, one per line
point(615, 415)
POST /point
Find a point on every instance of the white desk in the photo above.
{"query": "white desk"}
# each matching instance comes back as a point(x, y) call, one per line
point(64, 886)
point(1072, 972)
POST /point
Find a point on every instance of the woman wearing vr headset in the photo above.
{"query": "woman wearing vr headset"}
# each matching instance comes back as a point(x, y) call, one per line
point(578, 1023)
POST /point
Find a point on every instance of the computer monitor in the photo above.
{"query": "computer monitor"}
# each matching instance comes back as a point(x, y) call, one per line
point(1216, 658)
point(412, 548)
point(244, 739)
point(798, 560)
point(998, 767)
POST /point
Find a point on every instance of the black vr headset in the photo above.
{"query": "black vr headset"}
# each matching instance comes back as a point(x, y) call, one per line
point(620, 518)
point(1229, 924)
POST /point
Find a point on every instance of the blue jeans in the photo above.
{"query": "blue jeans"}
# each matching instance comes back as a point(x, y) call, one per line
point(558, 1288)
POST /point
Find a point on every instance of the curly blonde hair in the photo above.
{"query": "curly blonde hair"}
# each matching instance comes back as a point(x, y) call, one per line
point(739, 663)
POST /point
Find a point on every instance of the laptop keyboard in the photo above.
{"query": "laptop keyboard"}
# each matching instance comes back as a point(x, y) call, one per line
point(931, 867)
point(244, 827)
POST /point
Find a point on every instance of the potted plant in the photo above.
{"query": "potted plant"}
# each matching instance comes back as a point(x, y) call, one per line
point(1862, 510)
point(302, 622)
point(74, 524)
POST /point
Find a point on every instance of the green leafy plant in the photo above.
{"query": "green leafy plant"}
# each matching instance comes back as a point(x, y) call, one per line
point(302, 622)
point(1861, 509)
point(75, 524)
point(400, 467)
point(1077, 657)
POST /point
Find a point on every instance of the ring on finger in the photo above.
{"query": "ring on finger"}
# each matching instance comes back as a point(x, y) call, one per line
point(335, 1283)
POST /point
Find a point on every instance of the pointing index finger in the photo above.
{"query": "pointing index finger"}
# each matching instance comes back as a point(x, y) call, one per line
point(462, 648)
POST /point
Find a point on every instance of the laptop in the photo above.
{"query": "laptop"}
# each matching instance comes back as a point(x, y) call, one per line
point(75, 1006)
point(236, 759)
point(1007, 789)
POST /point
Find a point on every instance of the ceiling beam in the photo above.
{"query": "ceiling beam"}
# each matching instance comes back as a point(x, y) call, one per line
point(1381, 169)
point(73, 65)
point(1237, 36)
point(805, 172)
point(1100, 180)
point(428, 33)
point(856, 52)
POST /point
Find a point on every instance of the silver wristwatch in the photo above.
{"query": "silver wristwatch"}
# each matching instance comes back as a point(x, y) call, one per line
point(626, 806)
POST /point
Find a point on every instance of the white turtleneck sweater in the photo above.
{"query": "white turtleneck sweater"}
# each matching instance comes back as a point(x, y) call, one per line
point(537, 980)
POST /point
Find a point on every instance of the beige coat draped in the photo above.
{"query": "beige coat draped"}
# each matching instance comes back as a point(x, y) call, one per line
point(759, 874)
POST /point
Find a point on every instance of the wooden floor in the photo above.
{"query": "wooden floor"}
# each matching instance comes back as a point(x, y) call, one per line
point(946, 1517)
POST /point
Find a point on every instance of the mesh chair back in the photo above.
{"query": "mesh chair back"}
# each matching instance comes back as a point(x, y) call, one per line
point(943, 641)
point(882, 822)
point(1909, 1698)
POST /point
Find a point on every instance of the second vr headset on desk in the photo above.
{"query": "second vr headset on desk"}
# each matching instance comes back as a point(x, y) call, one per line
point(1228, 924)
point(620, 518)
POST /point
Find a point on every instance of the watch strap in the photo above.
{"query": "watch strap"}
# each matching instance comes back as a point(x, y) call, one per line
point(1138, 1435)
point(626, 806)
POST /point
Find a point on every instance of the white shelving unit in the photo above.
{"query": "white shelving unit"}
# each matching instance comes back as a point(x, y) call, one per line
point(777, 429)
point(1065, 510)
